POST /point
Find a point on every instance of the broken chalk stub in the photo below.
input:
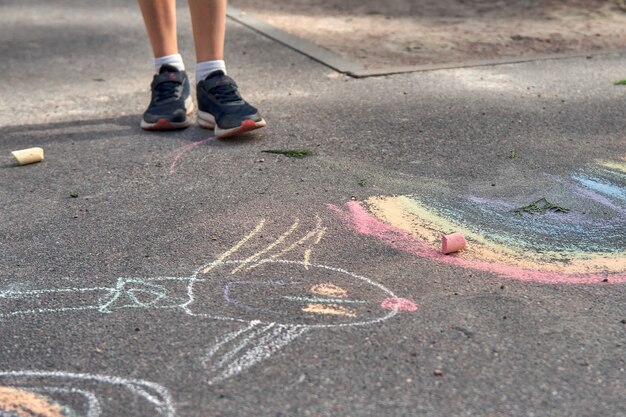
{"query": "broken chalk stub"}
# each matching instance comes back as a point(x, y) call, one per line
point(28, 156)
point(452, 243)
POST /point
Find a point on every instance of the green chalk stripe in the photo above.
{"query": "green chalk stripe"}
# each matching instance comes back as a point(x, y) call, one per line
point(322, 300)
point(620, 82)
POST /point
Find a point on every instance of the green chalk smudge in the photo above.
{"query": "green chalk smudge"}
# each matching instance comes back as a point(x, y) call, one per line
point(295, 153)
point(541, 206)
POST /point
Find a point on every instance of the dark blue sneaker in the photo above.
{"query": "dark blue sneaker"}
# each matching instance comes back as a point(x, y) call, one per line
point(171, 102)
point(221, 107)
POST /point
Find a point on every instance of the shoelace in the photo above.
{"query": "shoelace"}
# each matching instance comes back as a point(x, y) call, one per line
point(167, 90)
point(225, 93)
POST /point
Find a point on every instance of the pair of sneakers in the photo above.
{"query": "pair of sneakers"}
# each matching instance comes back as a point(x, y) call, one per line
point(220, 106)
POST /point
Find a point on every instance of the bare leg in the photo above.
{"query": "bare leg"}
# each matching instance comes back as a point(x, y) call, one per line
point(171, 103)
point(208, 18)
point(220, 107)
point(160, 19)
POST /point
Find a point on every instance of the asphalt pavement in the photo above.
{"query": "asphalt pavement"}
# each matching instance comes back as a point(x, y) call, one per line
point(174, 274)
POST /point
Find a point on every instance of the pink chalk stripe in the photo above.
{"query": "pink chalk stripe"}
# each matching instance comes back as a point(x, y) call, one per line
point(183, 150)
point(398, 304)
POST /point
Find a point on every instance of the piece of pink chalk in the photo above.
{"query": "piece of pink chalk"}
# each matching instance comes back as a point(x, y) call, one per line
point(452, 243)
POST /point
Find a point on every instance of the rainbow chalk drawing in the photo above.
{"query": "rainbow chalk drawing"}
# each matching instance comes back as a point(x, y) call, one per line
point(584, 246)
point(63, 394)
point(276, 299)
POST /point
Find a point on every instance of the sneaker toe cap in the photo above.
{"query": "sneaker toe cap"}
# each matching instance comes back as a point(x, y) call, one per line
point(230, 121)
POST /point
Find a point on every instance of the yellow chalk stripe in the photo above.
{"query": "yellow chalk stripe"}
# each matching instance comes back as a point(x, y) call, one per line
point(320, 235)
point(329, 309)
point(277, 242)
point(306, 237)
point(27, 404)
point(307, 258)
point(329, 290)
point(309, 251)
point(617, 166)
point(235, 248)
point(302, 240)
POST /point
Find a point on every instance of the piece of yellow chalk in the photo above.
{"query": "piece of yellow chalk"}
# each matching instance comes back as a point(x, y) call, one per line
point(452, 243)
point(28, 156)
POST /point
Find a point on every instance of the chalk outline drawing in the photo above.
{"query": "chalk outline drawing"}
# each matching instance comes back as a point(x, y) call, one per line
point(411, 224)
point(242, 348)
point(153, 394)
point(260, 339)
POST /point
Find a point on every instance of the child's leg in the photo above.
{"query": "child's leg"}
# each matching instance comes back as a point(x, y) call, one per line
point(208, 18)
point(171, 101)
point(160, 19)
point(220, 106)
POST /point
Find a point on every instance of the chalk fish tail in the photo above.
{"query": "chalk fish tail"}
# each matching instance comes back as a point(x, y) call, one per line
point(237, 351)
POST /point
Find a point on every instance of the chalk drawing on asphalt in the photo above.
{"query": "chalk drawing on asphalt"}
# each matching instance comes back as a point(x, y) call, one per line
point(584, 246)
point(34, 393)
point(279, 299)
point(276, 299)
point(180, 152)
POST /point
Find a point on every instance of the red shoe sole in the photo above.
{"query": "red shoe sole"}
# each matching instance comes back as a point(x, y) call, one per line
point(246, 126)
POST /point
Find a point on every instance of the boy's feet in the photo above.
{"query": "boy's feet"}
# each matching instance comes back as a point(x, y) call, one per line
point(171, 103)
point(221, 107)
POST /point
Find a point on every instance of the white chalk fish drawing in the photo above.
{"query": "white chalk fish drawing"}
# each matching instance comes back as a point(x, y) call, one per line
point(276, 299)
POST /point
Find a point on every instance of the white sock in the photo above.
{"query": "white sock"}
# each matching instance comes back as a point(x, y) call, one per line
point(204, 68)
point(174, 60)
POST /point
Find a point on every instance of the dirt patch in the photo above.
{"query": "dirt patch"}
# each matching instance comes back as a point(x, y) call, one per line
point(382, 34)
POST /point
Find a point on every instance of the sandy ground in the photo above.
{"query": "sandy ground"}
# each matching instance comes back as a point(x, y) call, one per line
point(412, 32)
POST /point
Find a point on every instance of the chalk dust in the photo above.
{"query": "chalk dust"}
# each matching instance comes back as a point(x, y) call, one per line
point(329, 290)
point(330, 310)
point(391, 33)
point(27, 404)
